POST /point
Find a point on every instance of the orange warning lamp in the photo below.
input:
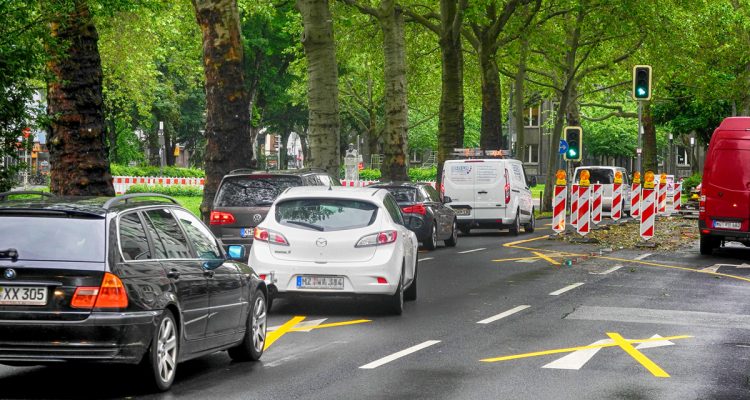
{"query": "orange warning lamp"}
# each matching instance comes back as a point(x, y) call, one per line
point(618, 177)
point(648, 182)
point(663, 179)
point(585, 176)
point(636, 177)
point(561, 175)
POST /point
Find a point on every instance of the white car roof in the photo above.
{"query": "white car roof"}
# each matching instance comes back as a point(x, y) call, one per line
point(336, 192)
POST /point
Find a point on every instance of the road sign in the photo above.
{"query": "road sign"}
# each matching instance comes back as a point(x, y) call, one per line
point(563, 146)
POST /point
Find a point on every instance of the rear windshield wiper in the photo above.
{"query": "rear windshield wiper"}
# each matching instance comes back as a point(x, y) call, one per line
point(306, 225)
point(9, 253)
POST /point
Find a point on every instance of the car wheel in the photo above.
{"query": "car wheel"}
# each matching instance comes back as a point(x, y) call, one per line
point(396, 300)
point(410, 294)
point(466, 230)
point(160, 363)
point(453, 240)
point(516, 228)
point(708, 244)
point(431, 242)
point(254, 341)
point(529, 228)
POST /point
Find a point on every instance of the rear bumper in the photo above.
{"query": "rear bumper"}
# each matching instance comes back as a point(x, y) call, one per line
point(740, 236)
point(102, 337)
point(422, 227)
point(485, 223)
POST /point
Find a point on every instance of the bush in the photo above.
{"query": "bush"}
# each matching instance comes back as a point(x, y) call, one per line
point(176, 190)
point(369, 175)
point(149, 170)
point(689, 183)
point(423, 174)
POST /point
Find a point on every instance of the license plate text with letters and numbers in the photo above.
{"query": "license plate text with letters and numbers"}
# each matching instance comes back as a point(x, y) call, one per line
point(727, 224)
point(23, 295)
point(320, 282)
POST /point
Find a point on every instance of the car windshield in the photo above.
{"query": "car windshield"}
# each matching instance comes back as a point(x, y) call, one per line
point(251, 191)
point(403, 194)
point(326, 214)
point(53, 238)
point(598, 175)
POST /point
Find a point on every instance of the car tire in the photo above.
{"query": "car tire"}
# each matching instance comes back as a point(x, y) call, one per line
point(410, 294)
point(708, 244)
point(431, 242)
point(529, 228)
point(453, 240)
point(466, 231)
point(253, 343)
point(516, 228)
point(396, 300)
point(160, 361)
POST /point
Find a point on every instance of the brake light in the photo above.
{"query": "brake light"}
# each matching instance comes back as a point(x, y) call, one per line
point(701, 205)
point(262, 277)
point(378, 239)
point(264, 235)
point(110, 294)
point(507, 187)
point(382, 280)
point(415, 209)
point(221, 218)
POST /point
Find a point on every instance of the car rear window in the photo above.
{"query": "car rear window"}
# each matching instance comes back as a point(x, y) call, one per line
point(403, 194)
point(603, 176)
point(54, 238)
point(251, 191)
point(326, 214)
point(730, 175)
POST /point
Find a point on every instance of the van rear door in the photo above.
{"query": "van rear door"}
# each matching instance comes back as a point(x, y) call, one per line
point(458, 184)
point(491, 188)
point(727, 184)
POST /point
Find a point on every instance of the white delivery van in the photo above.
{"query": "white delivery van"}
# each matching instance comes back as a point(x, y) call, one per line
point(606, 176)
point(489, 193)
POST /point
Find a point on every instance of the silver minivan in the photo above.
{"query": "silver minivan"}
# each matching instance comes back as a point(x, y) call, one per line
point(606, 176)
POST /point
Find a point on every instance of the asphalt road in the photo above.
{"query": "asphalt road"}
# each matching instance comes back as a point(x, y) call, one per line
point(584, 331)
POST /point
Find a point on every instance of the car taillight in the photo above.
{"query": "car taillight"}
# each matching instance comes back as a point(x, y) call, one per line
point(701, 205)
point(221, 218)
point(377, 239)
point(110, 294)
point(507, 188)
point(415, 209)
point(264, 235)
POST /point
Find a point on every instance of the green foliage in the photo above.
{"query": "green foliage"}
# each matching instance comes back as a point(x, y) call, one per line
point(422, 174)
point(173, 190)
point(369, 174)
point(612, 137)
point(690, 182)
point(147, 170)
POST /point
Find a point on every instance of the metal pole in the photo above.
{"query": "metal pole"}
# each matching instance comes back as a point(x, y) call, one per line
point(640, 139)
point(162, 149)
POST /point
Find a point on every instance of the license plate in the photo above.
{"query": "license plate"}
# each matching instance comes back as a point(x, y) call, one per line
point(320, 282)
point(727, 225)
point(23, 295)
point(462, 211)
point(246, 232)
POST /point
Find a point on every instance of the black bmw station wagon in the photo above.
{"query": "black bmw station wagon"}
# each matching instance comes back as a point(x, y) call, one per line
point(133, 279)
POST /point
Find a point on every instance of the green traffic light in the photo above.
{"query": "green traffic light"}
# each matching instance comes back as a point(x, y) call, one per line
point(572, 153)
point(641, 92)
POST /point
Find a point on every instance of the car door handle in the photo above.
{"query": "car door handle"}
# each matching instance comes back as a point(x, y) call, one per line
point(209, 273)
point(173, 274)
point(482, 192)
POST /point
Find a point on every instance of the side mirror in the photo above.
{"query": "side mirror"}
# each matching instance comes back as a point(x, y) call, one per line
point(447, 199)
point(236, 252)
point(531, 181)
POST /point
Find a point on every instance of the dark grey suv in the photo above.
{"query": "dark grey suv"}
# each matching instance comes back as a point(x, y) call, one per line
point(244, 198)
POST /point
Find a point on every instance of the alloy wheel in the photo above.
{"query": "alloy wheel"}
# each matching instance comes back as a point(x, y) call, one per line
point(166, 352)
point(258, 324)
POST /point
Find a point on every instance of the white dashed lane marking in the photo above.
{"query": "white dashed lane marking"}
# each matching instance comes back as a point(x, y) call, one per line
point(426, 259)
point(503, 314)
point(471, 251)
point(565, 289)
point(402, 353)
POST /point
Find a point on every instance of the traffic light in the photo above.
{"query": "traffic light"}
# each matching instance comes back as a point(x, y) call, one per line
point(642, 82)
point(574, 137)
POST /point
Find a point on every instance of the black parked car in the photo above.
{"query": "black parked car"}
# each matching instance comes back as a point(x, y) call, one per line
point(131, 279)
point(424, 213)
point(244, 198)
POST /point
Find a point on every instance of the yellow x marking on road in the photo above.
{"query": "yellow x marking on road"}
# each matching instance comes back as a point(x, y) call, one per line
point(618, 341)
point(290, 326)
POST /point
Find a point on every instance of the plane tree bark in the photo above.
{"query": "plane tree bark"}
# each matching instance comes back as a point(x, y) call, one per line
point(78, 155)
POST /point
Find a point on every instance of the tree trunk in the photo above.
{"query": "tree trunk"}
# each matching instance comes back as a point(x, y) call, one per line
point(491, 131)
point(78, 153)
point(451, 123)
point(227, 103)
point(396, 115)
point(322, 85)
point(518, 100)
point(649, 161)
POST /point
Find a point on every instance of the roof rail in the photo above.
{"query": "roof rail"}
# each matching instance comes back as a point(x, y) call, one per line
point(5, 195)
point(242, 170)
point(124, 199)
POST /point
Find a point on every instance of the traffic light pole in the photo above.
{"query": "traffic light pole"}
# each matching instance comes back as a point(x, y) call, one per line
point(640, 139)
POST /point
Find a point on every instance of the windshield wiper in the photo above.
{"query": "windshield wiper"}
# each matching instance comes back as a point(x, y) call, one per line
point(306, 225)
point(9, 253)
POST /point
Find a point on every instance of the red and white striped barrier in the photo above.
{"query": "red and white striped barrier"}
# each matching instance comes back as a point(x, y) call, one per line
point(559, 207)
point(574, 191)
point(584, 210)
point(596, 204)
point(616, 210)
point(123, 183)
point(648, 213)
point(662, 199)
point(677, 197)
point(635, 200)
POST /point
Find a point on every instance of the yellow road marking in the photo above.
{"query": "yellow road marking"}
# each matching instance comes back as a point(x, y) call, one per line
point(545, 258)
point(514, 259)
point(512, 244)
point(283, 329)
point(331, 325)
point(572, 349)
point(638, 356)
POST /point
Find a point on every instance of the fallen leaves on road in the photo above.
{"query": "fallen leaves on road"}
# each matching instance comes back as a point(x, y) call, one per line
point(672, 233)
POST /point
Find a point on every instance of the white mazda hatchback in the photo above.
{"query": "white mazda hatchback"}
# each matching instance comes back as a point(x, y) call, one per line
point(347, 241)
